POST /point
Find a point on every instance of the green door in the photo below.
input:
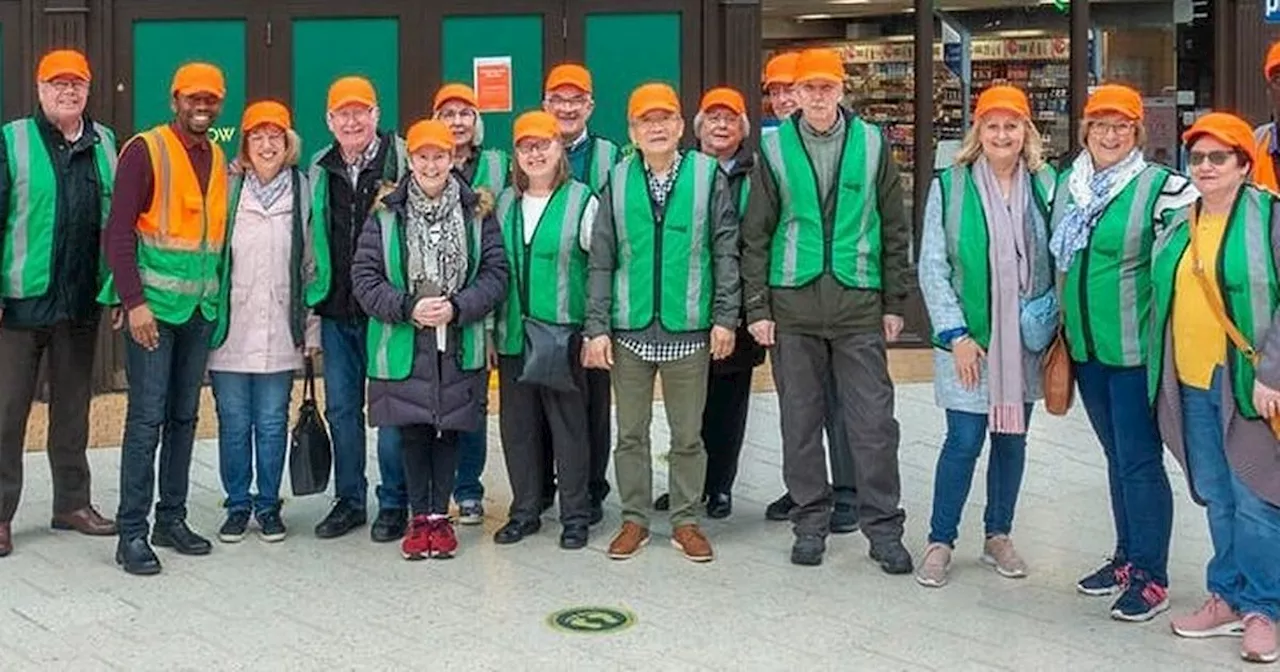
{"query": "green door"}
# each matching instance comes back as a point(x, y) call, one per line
point(161, 47)
point(624, 51)
point(466, 38)
point(320, 57)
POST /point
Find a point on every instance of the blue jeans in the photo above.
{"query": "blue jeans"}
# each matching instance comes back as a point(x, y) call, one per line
point(966, 432)
point(473, 448)
point(1245, 567)
point(1141, 501)
point(164, 399)
point(253, 427)
point(345, 364)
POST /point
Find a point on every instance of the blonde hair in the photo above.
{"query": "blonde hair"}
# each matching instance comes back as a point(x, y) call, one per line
point(1032, 146)
point(1139, 128)
point(292, 149)
point(520, 179)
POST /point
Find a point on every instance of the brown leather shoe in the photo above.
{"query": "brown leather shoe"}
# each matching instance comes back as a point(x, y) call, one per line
point(629, 540)
point(688, 539)
point(6, 542)
point(85, 521)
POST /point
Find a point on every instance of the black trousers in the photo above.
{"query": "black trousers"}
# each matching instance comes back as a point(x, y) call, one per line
point(724, 426)
point(430, 466)
point(71, 350)
point(599, 414)
point(531, 418)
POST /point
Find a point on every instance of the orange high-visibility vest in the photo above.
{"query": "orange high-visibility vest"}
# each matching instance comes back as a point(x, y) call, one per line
point(1264, 169)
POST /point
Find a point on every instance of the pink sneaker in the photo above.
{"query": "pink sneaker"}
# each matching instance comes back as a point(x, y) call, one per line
point(1215, 619)
point(1259, 639)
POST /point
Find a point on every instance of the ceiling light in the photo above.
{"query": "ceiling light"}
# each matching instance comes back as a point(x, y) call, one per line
point(853, 2)
point(813, 17)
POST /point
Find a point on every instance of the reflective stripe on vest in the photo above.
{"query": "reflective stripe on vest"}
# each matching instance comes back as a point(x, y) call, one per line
point(553, 252)
point(1264, 169)
point(29, 237)
point(800, 251)
point(492, 171)
point(681, 255)
point(1106, 297)
point(604, 155)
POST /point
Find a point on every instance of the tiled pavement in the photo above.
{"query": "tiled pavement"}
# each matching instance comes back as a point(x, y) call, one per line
point(349, 604)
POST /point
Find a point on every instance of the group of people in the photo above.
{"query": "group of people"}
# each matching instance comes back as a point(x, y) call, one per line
point(581, 271)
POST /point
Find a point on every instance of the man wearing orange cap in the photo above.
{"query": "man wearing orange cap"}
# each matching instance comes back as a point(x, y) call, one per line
point(346, 180)
point(1266, 170)
point(664, 298)
point(569, 99)
point(779, 88)
point(55, 188)
point(164, 247)
point(826, 271)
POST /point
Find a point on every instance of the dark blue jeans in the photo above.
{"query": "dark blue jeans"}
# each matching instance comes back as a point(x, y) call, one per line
point(966, 432)
point(473, 448)
point(164, 398)
point(253, 428)
point(345, 364)
point(1141, 501)
point(1245, 568)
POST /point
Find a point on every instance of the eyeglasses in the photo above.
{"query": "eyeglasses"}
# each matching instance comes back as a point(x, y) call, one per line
point(726, 120)
point(261, 136)
point(568, 102)
point(656, 120)
point(1217, 157)
point(352, 114)
point(527, 147)
point(463, 114)
point(1102, 129)
point(65, 85)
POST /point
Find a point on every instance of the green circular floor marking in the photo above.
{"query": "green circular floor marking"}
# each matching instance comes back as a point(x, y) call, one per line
point(591, 620)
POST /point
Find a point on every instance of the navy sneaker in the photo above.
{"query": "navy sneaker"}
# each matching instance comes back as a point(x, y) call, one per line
point(1112, 578)
point(1141, 600)
point(234, 528)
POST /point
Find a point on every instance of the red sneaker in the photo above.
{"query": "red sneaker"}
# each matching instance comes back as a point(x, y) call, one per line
point(417, 543)
point(444, 543)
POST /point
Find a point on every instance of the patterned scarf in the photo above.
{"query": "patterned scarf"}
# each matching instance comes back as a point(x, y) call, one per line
point(1090, 193)
point(267, 194)
point(437, 240)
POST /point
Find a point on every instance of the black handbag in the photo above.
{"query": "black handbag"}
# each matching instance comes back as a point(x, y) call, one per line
point(310, 455)
point(547, 354)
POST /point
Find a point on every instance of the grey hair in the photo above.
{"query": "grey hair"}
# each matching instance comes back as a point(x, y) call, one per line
point(700, 117)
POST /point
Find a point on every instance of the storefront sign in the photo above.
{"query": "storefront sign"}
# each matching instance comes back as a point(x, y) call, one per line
point(1056, 48)
point(1271, 11)
point(492, 83)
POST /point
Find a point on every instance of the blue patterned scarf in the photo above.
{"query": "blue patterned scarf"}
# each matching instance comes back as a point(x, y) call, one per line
point(1089, 192)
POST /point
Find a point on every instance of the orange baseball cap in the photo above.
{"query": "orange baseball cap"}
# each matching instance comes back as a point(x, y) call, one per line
point(63, 62)
point(265, 112)
point(1003, 97)
point(569, 74)
point(194, 78)
point(652, 97)
point(1273, 60)
point(1226, 128)
point(723, 97)
point(352, 90)
point(1115, 98)
point(450, 92)
point(825, 64)
point(781, 69)
point(429, 133)
point(536, 124)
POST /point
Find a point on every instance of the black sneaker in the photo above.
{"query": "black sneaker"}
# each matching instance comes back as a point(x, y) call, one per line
point(780, 509)
point(343, 518)
point(719, 505)
point(892, 557)
point(390, 525)
point(271, 527)
point(844, 518)
point(808, 550)
point(232, 531)
point(1110, 579)
point(1141, 600)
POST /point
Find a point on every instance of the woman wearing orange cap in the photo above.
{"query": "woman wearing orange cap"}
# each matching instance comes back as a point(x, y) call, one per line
point(263, 325)
point(429, 266)
point(987, 280)
point(1216, 298)
point(546, 218)
point(1103, 225)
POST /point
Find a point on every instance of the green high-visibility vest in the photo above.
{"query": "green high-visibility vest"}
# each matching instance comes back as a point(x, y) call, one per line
point(664, 269)
point(391, 345)
point(968, 243)
point(393, 170)
point(1106, 294)
point(602, 156)
point(301, 216)
point(801, 252)
point(27, 263)
point(554, 257)
point(493, 171)
point(1246, 280)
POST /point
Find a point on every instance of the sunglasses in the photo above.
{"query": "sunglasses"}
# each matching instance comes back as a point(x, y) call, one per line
point(1217, 157)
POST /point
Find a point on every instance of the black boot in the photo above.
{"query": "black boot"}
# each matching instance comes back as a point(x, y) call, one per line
point(136, 557)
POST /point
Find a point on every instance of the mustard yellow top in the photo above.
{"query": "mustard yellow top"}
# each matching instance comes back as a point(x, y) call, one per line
point(1199, 341)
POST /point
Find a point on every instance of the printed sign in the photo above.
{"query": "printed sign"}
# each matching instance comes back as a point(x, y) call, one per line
point(591, 620)
point(492, 82)
point(1271, 11)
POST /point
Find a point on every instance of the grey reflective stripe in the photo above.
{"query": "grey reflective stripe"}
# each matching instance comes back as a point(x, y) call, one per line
point(1138, 219)
point(1059, 210)
point(382, 355)
point(1258, 251)
point(503, 210)
point(22, 193)
point(702, 176)
point(1260, 133)
point(601, 162)
point(304, 199)
point(953, 217)
point(165, 179)
point(183, 286)
point(494, 160)
point(1048, 182)
point(622, 274)
point(108, 147)
point(568, 247)
point(402, 158)
point(789, 227)
point(871, 162)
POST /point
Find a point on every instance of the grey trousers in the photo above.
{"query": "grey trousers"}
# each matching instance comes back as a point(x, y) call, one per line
point(838, 452)
point(864, 396)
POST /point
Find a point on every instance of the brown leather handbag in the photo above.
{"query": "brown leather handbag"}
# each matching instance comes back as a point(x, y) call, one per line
point(1059, 379)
